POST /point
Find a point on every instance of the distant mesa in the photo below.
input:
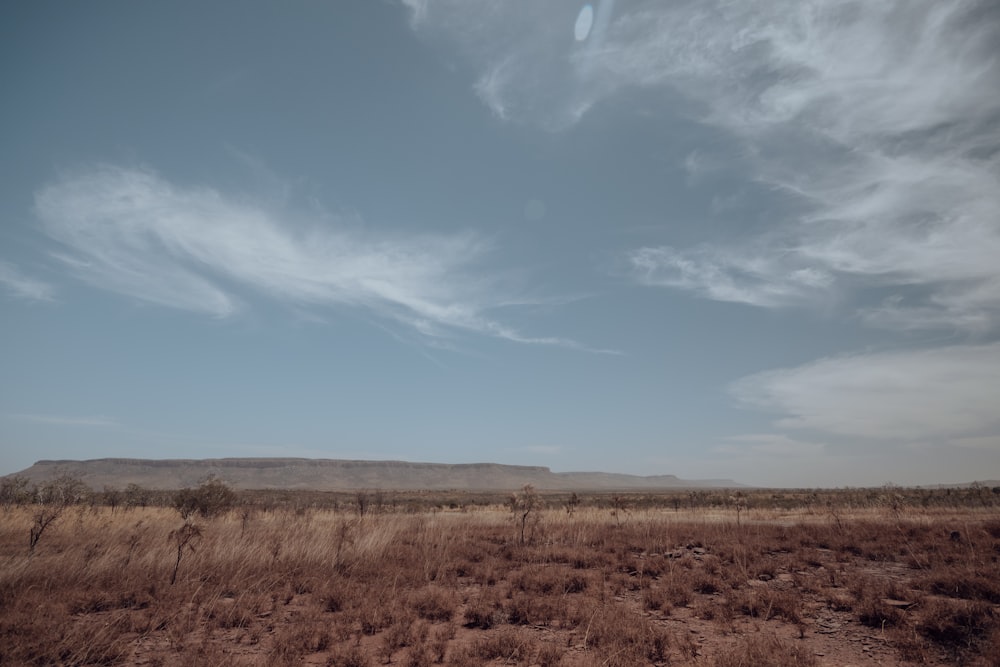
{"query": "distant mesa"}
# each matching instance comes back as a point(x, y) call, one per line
point(342, 475)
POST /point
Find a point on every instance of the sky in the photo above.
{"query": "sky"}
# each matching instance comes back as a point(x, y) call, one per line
point(756, 240)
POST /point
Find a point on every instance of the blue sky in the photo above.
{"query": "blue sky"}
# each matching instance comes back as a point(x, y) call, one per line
point(754, 240)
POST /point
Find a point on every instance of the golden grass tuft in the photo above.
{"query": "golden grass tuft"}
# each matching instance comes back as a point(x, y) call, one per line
point(288, 585)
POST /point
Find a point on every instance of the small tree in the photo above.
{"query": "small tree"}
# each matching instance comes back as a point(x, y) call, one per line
point(247, 512)
point(740, 503)
point(213, 497)
point(14, 491)
point(112, 497)
point(184, 538)
point(53, 499)
point(572, 503)
point(63, 491)
point(523, 504)
point(362, 502)
point(135, 496)
point(619, 508)
point(43, 518)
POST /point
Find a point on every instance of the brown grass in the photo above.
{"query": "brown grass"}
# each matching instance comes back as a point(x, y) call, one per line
point(287, 586)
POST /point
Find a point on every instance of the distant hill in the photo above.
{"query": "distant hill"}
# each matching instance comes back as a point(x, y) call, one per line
point(333, 475)
point(987, 483)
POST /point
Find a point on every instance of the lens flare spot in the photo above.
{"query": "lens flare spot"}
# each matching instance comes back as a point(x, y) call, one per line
point(584, 22)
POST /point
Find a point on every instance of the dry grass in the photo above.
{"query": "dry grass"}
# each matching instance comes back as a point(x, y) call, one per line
point(287, 586)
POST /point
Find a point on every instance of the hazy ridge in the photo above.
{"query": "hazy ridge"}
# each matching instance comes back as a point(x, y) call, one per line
point(337, 474)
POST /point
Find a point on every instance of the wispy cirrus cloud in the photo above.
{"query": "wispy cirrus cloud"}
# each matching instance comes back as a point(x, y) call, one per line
point(65, 420)
point(938, 396)
point(21, 286)
point(878, 122)
point(768, 444)
point(529, 66)
point(132, 232)
point(726, 275)
point(889, 145)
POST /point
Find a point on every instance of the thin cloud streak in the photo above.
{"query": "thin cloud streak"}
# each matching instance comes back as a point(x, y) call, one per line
point(757, 280)
point(21, 286)
point(131, 232)
point(768, 445)
point(62, 420)
point(935, 396)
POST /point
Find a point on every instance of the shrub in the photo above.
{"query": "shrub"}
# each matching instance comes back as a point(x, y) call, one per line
point(135, 496)
point(505, 644)
point(550, 655)
point(348, 657)
point(955, 623)
point(14, 491)
point(485, 612)
point(433, 604)
point(765, 651)
point(213, 497)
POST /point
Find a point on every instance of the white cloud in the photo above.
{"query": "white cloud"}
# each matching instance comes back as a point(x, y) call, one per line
point(897, 137)
point(755, 279)
point(132, 232)
point(530, 67)
point(946, 395)
point(879, 121)
point(23, 287)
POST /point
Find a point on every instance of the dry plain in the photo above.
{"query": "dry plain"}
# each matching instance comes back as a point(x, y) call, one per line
point(884, 576)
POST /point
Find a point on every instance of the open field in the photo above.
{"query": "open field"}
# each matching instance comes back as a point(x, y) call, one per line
point(765, 578)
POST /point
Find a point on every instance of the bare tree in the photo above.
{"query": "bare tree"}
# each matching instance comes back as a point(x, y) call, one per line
point(43, 518)
point(572, 503)
point(619, 508)
point(112, 497)
point(523, 504)
point(740, 503)
point(53, 499)
point(183, 537)
point(362, 502)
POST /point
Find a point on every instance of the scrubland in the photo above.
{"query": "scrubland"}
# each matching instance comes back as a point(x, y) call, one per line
point(541, 580)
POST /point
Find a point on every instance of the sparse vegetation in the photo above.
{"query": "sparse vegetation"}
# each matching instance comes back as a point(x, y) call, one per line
point(53, 498)
point(212, 497)
point(280, 578)
point(525, 504)
point(184, 539)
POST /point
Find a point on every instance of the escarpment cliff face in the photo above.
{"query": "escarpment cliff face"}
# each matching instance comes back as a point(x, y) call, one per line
point(335, 474)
